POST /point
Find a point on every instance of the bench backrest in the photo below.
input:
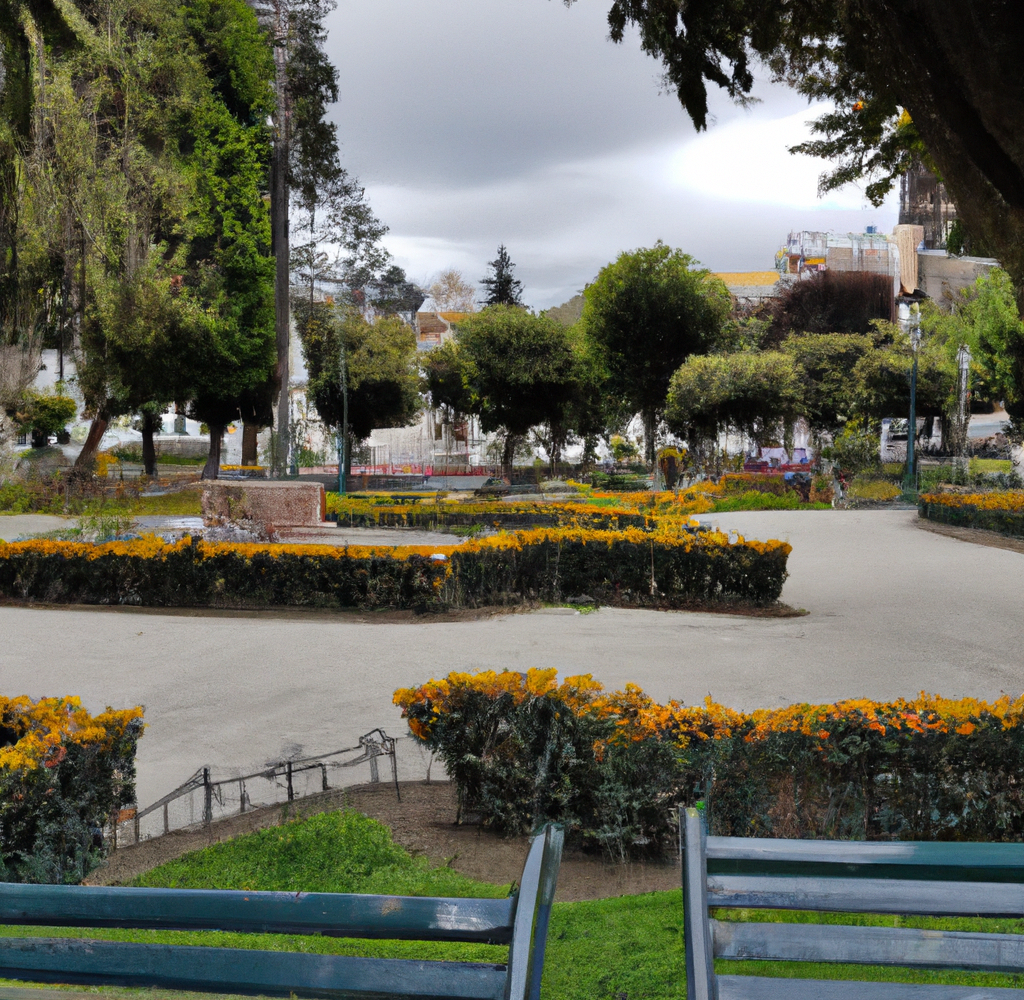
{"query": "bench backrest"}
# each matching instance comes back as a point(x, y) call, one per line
point(520, 921)
point(933, 879)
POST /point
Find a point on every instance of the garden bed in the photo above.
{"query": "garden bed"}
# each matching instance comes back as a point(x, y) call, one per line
point(1001, 511)
point(628, 568)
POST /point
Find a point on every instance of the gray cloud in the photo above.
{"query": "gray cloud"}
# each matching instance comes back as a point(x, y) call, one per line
point(474, 122)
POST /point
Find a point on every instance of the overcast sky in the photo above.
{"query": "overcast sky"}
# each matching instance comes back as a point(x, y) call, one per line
point(478, 122)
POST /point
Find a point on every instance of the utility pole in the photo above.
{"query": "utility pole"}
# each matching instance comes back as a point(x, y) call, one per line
point(279, 198)
point(343, 438)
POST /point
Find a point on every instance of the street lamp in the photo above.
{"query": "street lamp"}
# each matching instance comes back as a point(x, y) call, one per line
point(343, 437)
point(910, 323)
point(963, 364)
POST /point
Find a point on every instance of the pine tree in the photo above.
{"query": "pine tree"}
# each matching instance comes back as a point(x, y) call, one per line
point(502, 288)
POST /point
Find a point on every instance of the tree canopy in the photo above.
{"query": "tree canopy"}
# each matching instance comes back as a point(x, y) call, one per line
point(518, 368)
point(503, 288)
point(647, 313)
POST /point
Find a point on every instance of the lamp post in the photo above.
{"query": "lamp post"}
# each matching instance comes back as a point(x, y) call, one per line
point(343, 437)
point(963, 364)
point(910, 323)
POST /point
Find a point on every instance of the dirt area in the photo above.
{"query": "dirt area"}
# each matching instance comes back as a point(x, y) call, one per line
point(423, 823)
point(979, 536)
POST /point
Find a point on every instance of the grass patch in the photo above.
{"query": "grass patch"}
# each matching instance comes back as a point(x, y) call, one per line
point(756, 500)
point(180, 503)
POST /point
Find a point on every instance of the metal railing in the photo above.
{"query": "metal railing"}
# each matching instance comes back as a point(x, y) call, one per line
point(201, 800)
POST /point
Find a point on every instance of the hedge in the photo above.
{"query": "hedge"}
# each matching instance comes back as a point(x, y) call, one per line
point(625, 567)
point(63, 773)
point(522, 749)
point(995, 511)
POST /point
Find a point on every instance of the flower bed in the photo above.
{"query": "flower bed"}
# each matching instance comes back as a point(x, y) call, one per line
point(523, 749)
point(1001, 511)
point(63, 773)
point(629, 567)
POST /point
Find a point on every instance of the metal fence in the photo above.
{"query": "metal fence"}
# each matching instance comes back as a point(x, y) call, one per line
point(203, 799)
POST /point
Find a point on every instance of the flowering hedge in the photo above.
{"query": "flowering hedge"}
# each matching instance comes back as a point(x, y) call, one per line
point(522, 749)
point(63, 773)
point(629, 567)
point(1001, 511)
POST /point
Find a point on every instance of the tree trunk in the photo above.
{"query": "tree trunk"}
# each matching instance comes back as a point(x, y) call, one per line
point(508, 456)
point(148, 447)
point(650, 444)
point(97, 429)
point(212, 468)
point(250, 447)
point(950, 65)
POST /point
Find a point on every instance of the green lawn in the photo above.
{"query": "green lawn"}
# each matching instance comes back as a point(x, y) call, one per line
point(625, 948)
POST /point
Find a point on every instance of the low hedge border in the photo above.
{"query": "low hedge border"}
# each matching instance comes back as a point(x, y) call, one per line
point(628, 567)
point(962, 513)
point(613, 767)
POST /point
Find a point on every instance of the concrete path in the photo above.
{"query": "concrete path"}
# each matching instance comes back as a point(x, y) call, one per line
point(14, 526)
point(893, 609)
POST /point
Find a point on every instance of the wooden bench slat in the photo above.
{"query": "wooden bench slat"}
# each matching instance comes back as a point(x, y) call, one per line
point(424, 918)
point(859, 895)
point(960, 862)
point(899, 946)
point(763, 988)
point(235, 970)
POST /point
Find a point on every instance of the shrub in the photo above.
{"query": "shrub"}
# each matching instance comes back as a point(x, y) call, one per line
point(523, 749)
point(995, 511)
point(62, 774)
point(627, 567)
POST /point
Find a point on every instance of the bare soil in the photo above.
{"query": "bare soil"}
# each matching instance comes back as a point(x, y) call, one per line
point(423, 822)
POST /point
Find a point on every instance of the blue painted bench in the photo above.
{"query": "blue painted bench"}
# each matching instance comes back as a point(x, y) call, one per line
point(520, 921)
point(923, 879)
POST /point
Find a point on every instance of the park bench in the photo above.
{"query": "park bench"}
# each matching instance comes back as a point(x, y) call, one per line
point(889, 877)
point(521, 921)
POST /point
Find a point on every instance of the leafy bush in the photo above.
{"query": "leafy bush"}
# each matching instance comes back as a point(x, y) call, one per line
point(854, 449)
point(628, 567)
point(995, 511)
point(523, 749)
point(62, 774)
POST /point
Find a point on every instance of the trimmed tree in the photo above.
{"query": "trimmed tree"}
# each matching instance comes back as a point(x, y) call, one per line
point(647, 313)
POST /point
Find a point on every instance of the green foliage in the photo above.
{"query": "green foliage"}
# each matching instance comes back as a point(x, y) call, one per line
point(503, 288)
point(46, 413)
point(753, 392)
point(52, 815)
point(519, 763)
point(882, 378)
point(380, 367)
point(989, 321)
point(646, 313)
point(1005, 522)
point(622, 571)
point(827, 361)
point(519, 368)
point(855, 448)
point(444, 380)
point(341, 851)
point(760, 500)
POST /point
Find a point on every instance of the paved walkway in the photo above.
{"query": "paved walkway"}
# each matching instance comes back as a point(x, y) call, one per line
point(892, 610)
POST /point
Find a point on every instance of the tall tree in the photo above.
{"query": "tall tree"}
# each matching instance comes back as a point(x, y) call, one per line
point(374, 363)
point(647, 312)
point(949, 65)
point(503, 288)
point(519, 369)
